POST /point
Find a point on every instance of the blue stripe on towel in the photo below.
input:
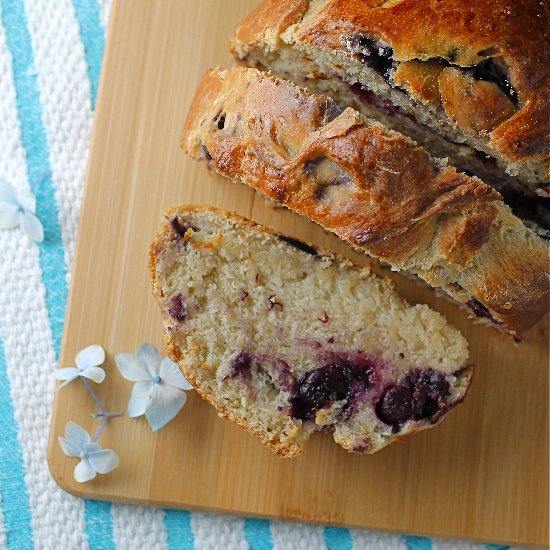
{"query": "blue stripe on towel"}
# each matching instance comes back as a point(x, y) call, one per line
point(337, 538)
point(99, 525)
point(257, 533)
point(92, 35)
point(15, 497)
point(178, 530)
point(417, 543)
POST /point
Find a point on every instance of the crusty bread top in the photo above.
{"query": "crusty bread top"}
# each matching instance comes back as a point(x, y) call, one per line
point(372, 187)
point(462, 32)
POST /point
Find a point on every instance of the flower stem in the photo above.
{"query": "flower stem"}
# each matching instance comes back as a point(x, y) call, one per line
point(94, 396)
point(104, 414)
point(100, 429)
point(110, 414)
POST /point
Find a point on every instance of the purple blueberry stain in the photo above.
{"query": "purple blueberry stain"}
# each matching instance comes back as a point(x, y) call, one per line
point(178, 227)
point(361, 447)
point(241, 366)
point(178, 308)
point(284, 376)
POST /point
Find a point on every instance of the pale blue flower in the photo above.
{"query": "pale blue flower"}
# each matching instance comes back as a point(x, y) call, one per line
point(159, 386)
point(18, 209)
point(87, 365)
point(93, 459)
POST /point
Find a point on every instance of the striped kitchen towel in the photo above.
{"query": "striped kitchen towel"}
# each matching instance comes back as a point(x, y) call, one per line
point(50, 60)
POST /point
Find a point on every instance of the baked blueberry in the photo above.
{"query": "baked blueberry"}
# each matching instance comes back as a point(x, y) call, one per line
point(178, 308)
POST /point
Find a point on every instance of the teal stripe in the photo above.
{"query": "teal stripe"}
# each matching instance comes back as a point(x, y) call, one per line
point(417, 543)
point(52, 264)
point(496, 547)
point(258, 534)
point(178, 530)
point(92, 35)
point(99, 525)
point(15, 497)
point(33, 137)
point(338, 539)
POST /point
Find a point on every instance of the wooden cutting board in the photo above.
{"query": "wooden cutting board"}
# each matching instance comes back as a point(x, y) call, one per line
point(481, 474)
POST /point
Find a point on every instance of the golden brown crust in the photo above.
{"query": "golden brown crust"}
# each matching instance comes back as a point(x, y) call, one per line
point(475, 105)
point(373, 188)
point(464, 33)
point(420, 79)
point(270, 19)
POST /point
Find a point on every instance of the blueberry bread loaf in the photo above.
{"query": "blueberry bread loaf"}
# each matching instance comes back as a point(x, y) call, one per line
point(467, 80)
point(285, 339)
point(373, 187)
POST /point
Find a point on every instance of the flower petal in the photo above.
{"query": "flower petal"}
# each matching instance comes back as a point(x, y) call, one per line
point(68, 373)
point(69, 448)
point(151, 357)
point(77, 435)
point(8, 194)
point(131, 368)
point(139, 398)
point(91, 447)
point(32, 226)
point(97, 374)
point(165, 403)
point(92, 356)
point(10, 215)
point(171, 374)
point(84, 471)
point(104, 460)
point(27, 200)
point(67, 376)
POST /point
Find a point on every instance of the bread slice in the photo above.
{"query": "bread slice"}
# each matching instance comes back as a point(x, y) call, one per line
point(284, 339)
point(374, 188)
point(467, 80)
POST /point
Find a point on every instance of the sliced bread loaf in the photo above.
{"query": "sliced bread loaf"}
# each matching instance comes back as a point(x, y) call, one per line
point(467, 80)
point(374, 188)
point(285, 339)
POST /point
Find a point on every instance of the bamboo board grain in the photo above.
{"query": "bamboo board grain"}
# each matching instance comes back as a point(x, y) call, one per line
point(482, 474)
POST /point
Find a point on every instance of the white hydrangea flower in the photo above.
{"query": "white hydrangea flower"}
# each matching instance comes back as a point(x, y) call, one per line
point(87, 365)
point(93, 459)
point(18, 209)
point(159, 386)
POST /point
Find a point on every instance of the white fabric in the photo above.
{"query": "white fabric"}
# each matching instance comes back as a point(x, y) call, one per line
point(105, 12)
point(367, 540)
point(135, 527)
point(297, 536)
point(216, 532)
